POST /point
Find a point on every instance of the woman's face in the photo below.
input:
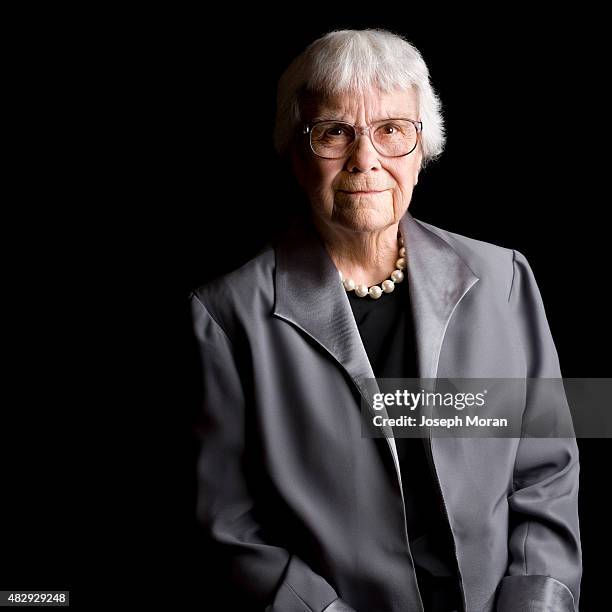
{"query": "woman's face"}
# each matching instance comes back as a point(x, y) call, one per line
point(364, 191)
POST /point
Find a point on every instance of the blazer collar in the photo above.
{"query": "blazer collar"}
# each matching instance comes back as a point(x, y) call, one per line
point(309, 294)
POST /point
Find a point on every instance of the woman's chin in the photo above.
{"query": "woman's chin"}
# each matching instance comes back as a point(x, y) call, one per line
point(366, 220)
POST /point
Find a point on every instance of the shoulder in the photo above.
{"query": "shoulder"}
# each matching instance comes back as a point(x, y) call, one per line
point(248, 287)
point(477, 252)
point(486, 259)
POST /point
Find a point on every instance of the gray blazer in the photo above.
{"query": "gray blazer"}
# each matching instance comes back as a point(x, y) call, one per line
point(309, 512)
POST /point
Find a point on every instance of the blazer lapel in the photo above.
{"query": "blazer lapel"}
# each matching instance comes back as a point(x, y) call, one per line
point(438, 278)
point(309, 295)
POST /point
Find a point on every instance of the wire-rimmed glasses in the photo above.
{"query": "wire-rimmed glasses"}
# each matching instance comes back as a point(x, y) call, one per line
point(390, 137)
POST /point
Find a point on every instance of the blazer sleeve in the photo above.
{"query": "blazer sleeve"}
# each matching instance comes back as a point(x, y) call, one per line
point(264, 574)
point(545, 566)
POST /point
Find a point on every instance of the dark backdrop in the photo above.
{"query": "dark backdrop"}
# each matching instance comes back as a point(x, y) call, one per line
point(523, 168)
point(163, 201)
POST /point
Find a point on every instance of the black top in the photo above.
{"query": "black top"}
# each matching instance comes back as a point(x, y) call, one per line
point(387, 331)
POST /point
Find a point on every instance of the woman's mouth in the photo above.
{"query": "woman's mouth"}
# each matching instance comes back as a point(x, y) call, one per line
point(359, 192)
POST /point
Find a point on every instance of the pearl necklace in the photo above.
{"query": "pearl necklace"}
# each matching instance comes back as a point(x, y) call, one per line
point(387, 286)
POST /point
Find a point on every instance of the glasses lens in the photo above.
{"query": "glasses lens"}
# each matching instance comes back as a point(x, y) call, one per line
point(395, 138)
point(392, 138)
point(331, 139)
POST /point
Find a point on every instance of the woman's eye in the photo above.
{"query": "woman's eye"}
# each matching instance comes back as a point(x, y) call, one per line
point(336, 131)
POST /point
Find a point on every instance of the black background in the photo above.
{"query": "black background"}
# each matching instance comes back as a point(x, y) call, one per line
point(131, 196)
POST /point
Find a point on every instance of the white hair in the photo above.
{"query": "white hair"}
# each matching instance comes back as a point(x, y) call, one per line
point(345, 61)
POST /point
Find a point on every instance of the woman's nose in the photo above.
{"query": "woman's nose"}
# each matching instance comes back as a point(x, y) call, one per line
point(363, 156)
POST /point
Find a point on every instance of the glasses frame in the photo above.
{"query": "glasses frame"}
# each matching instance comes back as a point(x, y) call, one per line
point(361, 131)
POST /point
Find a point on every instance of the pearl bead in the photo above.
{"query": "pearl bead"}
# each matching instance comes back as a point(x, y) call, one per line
point(349, 284)
point(387, 286)
point(375, 292)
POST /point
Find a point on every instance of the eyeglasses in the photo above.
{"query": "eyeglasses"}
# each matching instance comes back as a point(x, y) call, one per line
point(390, 137)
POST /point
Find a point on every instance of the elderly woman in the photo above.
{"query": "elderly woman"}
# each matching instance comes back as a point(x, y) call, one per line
point(307, 513)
